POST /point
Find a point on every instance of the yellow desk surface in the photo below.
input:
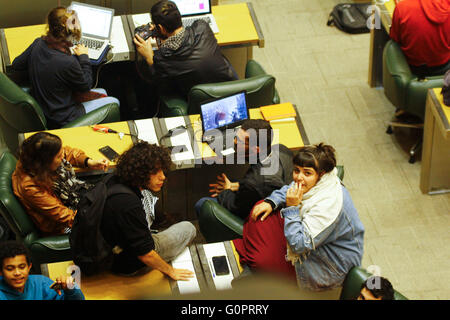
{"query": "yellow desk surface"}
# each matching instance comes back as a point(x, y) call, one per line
point(90, 141)
point(108, 286)
point(19, 38)
point(440, 98)
point(234, 21)
point(235, 24)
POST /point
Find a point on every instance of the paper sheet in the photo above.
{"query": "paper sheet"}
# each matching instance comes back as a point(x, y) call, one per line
point(146, 130)
point(184, 261)
point(118, 39)
point(221, 282)
point(180, 139)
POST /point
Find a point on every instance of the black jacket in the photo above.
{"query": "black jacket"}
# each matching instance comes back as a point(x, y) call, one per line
point(54, 75)
point(197, 60)
point(255, 186)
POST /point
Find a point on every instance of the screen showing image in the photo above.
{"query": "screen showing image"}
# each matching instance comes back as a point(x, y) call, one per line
point(94, 21)
point(224, 112)
point(188, 7)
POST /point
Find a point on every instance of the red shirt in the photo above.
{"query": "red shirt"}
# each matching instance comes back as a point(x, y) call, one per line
point(422, 29)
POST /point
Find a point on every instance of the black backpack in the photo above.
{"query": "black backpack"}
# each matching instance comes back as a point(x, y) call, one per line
point(350, 17)
point(89, 249)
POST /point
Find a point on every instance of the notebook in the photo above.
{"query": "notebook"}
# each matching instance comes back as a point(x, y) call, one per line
point(222, 115)
point(192, 10)
point(278, 111)
point(96, 24)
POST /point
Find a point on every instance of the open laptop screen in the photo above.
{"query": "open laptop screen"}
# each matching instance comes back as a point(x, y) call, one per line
point(95, 21)
point(193, 7)
point(227, 112)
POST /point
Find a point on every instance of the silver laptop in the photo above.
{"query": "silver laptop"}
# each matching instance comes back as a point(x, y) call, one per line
point(192, 10)
point(96, 25)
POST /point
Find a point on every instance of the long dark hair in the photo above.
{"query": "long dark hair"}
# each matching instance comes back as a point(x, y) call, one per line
point(36, 156)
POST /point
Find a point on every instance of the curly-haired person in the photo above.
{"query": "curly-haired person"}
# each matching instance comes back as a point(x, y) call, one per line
point(127, 218)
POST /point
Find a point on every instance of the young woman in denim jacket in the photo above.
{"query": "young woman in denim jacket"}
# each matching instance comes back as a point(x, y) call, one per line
point(317, 237)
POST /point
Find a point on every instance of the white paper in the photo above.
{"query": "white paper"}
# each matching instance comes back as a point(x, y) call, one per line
point(119, 42)
point(180, 139)
point(221, 282)
point(146, 130)
point(184, 261)
point(140, 19)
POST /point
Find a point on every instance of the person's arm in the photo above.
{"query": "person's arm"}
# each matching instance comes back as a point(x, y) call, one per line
point(144, 48)
point(153, 260)
point(78, 73)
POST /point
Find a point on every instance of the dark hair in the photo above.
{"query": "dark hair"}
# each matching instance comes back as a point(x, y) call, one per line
point(10, 249)
point(260, 126)
point(37, 153)
point(166, 13)
point(321, 157)
point(142, 159)
point(385, 290)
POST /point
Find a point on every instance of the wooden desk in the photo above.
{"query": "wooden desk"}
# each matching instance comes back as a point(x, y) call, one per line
point(378, 38)
point(108, 286)
point(435, 168)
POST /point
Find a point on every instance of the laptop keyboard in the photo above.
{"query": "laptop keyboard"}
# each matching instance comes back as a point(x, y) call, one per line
point(189, 21)
point(90, 43)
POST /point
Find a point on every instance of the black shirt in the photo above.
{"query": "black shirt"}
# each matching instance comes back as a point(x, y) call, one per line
point(124, 225)
point(54, 75)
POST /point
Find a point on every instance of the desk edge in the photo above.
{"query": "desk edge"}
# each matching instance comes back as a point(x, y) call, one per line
point(255, 21)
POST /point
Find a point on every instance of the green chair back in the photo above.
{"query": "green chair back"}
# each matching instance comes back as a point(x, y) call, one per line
point(19, 112)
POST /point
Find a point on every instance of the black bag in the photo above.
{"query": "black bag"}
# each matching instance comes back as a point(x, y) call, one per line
point(446, 88)
point(89, 249)
point(350, 17)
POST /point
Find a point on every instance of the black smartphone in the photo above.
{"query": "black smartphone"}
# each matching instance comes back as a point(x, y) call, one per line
point(144, 32)
point(220, 265)
point(109, 153)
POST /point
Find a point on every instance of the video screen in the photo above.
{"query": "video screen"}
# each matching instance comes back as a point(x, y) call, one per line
point(224, 112)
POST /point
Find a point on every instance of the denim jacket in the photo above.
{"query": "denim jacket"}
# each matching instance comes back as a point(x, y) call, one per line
point(325, 259)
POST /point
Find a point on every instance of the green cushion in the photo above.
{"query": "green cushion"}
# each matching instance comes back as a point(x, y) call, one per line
point(353, 282)
point(106, 114)
point(404, 89)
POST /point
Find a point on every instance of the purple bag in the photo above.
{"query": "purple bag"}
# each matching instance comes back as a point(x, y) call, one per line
point(446, 88)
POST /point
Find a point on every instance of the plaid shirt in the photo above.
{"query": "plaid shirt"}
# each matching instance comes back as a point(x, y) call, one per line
point(174, 42)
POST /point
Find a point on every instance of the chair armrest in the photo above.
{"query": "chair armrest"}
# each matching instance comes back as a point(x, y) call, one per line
point(340, 172)
point(106, 114)
point(218, 224)
point(50, 249)
point(253, 69)
point(172, 106)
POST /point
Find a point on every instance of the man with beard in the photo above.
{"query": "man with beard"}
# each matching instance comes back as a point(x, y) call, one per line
point(270, 168)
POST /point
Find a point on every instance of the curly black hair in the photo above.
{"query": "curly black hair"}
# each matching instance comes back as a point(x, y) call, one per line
point(137, 163)
point(384, 289)
point(11, 248)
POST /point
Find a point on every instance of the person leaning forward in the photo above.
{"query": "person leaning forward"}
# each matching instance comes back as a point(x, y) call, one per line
point(127, 218)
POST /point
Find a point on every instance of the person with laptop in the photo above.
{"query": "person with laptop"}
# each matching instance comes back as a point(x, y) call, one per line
point(61, 81)
point(258, 182)
point(185, 56)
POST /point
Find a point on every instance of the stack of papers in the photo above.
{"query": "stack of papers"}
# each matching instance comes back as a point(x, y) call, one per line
point(146, 130)
point(283, 111)
point(184, 261)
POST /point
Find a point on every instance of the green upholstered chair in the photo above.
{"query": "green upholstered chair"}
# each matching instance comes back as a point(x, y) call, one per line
point(259, 85)
point(353, 282)
point(19, 113)
point(42, 249)
point(218, 224)
point(405, 90)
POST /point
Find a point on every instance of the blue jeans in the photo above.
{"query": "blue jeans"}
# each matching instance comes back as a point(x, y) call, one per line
point(98, 103)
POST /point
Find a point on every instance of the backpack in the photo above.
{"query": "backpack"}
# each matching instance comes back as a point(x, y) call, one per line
point(446, 88)
point(89, 249)
point(350, 17)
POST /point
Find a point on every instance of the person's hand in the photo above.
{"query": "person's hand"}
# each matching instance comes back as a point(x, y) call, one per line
point(144, 48)
point(221, 184)
point(61, 284)
point(80, 49)
point(263, 209)
point(102, 164)
point(181, 274)
point(294, 195)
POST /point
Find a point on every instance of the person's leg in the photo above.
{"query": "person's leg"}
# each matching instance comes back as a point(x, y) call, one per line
point(263, 245)
point(172, 241)
point(98, 103)
point(199, 203)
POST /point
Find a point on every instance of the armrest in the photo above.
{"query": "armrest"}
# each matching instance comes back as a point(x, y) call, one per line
point(253, 69)
point(218, 224)
point(105, 114)
point(172, 106)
